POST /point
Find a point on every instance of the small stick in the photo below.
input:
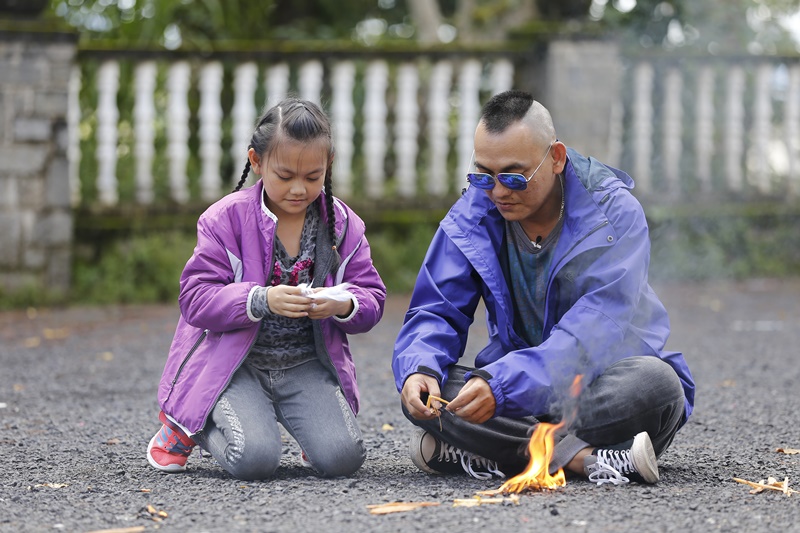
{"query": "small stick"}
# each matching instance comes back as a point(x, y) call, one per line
point(436, 411)
point(784, 488)
point(432, 397)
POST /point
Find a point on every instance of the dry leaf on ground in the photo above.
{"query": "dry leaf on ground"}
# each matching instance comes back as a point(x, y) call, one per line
point(788, 451)
point(478, 500)
point(398, 507)
point(136, 529)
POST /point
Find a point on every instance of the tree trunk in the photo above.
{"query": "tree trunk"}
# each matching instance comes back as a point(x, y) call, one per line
point(427, 18)
point(496, 28)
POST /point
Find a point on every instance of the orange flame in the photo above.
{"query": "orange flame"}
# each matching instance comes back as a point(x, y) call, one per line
point(536, 476)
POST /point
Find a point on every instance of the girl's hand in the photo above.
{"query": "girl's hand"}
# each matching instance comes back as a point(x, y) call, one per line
point(324, 308)
point(288, 301)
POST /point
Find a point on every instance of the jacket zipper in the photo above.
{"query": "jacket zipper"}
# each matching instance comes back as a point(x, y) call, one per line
point(558, 267)
point(246, 352)
point(578, 242)
point(194, 348)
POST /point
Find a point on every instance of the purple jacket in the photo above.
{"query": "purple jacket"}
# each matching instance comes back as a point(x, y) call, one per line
point(599, 307)
point(234, 254)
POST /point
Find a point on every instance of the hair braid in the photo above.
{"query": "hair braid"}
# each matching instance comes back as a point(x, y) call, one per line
point(329, 206)
point(244, 176)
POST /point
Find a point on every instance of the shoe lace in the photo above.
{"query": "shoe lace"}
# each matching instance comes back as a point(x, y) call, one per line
point(476, 466)
point(601, 473)
point(170, 440)
point(618, 459)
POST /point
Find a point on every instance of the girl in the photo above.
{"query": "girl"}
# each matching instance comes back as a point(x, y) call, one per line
point(254, 346)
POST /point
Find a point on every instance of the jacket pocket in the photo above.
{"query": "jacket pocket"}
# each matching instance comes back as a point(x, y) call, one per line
point(191, 352)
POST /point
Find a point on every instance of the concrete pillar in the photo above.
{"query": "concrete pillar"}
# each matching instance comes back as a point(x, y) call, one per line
point(581, 88)
point(35, 207)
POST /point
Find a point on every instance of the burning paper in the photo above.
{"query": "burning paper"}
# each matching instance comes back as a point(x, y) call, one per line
point(536, 475)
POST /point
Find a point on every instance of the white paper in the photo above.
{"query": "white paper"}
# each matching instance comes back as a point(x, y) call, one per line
point(338, 293)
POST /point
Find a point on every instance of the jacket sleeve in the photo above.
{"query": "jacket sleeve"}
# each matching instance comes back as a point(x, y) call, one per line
point(590, 331)
point(212, 295)
point(443, 303)
point(366, 286)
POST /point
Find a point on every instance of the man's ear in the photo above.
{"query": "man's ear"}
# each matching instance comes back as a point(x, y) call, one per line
point(559, 157)
point(255, 160)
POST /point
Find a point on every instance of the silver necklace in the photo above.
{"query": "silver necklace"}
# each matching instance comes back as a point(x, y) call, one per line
point(538, 242)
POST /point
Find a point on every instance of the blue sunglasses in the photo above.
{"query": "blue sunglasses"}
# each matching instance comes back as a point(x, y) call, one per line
point(510, 180)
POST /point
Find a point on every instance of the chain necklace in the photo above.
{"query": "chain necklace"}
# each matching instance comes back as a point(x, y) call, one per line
point(538, 242)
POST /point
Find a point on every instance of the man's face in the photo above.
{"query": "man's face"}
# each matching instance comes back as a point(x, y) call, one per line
point(515, 150)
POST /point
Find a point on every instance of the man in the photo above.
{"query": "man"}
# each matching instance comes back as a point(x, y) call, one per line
point(558, 249)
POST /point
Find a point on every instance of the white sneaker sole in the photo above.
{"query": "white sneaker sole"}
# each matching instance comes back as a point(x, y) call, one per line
point(169, 468)
point(644, 458)
point(418, 454)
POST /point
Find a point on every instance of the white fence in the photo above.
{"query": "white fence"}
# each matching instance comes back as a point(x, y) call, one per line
point(712, 127)
point(400, 127)
point(684, 128)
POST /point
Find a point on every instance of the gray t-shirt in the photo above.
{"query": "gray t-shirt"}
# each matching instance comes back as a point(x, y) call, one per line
point(529, 271)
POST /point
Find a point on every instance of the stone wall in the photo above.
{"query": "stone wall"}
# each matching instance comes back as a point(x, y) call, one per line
point(35, 211)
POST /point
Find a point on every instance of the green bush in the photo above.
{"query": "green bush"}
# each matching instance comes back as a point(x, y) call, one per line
point(140, 269)
point(398, 254)
point(146, 268)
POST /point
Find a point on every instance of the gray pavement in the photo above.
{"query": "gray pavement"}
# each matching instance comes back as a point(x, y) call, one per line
point(77, 408)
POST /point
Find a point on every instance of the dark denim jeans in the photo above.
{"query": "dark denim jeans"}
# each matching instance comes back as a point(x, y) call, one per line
point(633, 395)
point(242, 433)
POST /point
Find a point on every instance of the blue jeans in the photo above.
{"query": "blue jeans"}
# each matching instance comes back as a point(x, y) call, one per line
point(242, 432)
point(633, 395)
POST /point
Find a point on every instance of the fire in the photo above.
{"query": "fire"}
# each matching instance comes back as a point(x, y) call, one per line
point(536, 476)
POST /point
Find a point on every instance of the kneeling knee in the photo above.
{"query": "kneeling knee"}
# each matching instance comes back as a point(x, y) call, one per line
point(343, 463)
point(254, 466)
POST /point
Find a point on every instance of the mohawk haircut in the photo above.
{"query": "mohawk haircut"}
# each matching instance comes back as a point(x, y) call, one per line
point(504, 109)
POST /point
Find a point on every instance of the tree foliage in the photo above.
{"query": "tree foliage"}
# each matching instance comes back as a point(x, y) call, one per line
point(196, 23)
point(716, 26)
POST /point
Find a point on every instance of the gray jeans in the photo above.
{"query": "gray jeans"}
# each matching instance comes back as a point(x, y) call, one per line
point(242, 432)
point(633, 395)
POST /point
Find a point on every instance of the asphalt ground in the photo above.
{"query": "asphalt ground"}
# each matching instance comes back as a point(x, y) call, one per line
point(78, 407)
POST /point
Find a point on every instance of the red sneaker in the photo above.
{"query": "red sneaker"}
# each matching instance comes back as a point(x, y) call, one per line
point(170, 447)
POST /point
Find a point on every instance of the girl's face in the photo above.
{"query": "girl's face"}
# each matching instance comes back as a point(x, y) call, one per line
point(293, 175)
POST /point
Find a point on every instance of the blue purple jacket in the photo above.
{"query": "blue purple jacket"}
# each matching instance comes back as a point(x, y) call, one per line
point(234, 254)
point(599, 306)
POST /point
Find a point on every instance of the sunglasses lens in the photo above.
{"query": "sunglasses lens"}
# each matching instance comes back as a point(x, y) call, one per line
point(515, 182)
point(481, 180)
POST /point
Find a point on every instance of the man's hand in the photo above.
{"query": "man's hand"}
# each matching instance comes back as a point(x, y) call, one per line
point(413, 388)
point(475, 402)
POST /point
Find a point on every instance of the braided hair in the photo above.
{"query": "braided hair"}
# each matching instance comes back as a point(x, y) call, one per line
point(299, 120)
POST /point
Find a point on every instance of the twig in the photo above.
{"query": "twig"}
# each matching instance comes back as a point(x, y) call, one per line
point(435, 410)
point(783, 487)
